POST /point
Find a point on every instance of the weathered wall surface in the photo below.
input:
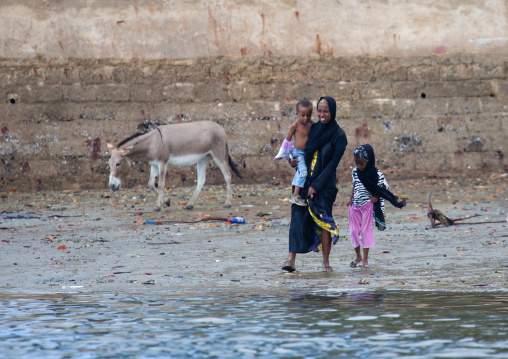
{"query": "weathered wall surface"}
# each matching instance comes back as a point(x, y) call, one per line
point(436, 115)
point(435, 105)
point(158, 29)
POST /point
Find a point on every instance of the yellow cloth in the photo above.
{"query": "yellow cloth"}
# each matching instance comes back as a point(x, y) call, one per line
point(334, 230)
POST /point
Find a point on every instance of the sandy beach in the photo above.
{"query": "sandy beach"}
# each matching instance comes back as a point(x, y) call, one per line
point(99, 241)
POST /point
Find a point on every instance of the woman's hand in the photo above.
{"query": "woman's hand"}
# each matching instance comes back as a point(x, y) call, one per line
point(349, 202)
point(311, 192)
point(374, 199)
point(293, 162)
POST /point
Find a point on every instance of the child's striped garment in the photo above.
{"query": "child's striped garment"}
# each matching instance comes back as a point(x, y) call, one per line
point(361, 195)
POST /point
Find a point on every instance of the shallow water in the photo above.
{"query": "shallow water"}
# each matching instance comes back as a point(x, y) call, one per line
point(295, 325)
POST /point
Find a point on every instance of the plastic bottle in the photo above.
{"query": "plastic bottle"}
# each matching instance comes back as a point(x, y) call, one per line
point(238, 220)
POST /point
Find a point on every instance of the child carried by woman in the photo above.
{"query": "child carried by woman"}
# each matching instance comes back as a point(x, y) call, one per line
point(300, 130)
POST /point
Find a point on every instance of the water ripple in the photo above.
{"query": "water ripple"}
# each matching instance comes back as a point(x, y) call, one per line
point(218, 325)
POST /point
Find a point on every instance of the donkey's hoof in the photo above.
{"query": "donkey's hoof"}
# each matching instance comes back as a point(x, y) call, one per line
point(156, 208)
point(167, 202)
point(189, 207)
point(227, 206)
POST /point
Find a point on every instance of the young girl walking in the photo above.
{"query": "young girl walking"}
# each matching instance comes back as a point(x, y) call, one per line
point(366, 203)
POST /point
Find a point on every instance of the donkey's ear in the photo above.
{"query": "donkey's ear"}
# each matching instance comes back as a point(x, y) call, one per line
point(125, 151)
point(110, 146)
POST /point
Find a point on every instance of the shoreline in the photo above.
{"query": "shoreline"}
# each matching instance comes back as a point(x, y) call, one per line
point(105, 245)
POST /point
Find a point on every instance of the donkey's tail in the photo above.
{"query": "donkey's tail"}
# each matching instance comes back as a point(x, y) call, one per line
point(232, 164)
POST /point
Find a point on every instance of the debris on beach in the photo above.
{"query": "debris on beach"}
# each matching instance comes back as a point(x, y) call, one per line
point(202, 219)
point(363, 281)
point(438, 218)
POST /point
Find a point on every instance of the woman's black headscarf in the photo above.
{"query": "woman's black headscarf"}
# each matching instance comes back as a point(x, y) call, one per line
point(322, 134)
point(369, 179)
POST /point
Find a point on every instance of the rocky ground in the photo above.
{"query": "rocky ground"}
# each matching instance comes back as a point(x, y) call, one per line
point(96, 241)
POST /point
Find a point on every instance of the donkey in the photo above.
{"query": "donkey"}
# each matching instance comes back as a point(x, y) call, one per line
point(182, 144)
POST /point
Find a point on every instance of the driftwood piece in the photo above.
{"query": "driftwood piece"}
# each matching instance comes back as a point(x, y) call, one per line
point(176, 221)
point(438, 218)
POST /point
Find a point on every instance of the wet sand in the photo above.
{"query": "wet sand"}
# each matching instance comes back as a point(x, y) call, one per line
point(97, 241)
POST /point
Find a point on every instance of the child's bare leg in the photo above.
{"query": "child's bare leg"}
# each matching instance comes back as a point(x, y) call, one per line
point(365, 261)
point(358, 255)
point(297, 191)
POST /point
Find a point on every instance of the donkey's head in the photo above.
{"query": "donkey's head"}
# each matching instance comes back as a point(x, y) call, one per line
point(119, 165)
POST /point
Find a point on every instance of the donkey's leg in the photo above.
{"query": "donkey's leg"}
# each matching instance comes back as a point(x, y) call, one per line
point(154, 172)
point(227, 176)
point(201, 181)
point(161, 186)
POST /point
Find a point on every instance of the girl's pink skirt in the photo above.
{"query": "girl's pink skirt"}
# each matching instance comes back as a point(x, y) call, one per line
point(360, 225)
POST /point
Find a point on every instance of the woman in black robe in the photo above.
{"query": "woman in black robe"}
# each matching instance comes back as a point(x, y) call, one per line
point(313, 227)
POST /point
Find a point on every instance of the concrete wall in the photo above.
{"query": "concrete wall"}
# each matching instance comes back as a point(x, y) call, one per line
point(425, 83)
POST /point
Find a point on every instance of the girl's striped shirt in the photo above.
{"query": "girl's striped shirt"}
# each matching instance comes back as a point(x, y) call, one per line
point(361, 195)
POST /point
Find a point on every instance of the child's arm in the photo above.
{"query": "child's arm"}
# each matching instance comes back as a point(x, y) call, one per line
point(292, 130)
point(382, 183)
point(287, 146)
point(374, 199)
point(350, 201)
